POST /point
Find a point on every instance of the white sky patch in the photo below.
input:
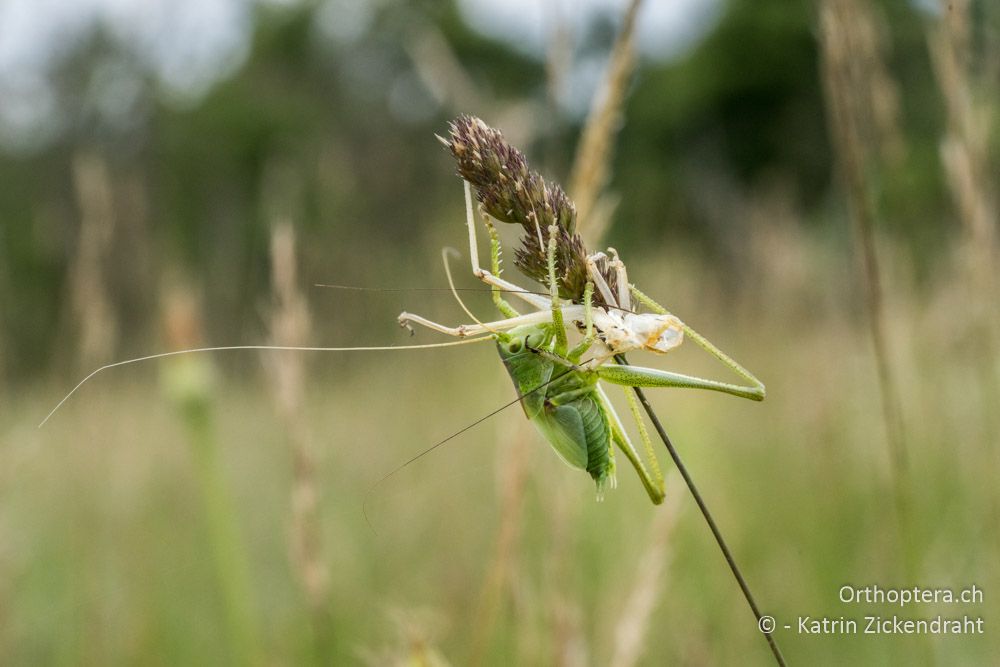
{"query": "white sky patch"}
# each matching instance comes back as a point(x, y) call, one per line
point(29, 114)
point(190, 45)
point(666, 28)
point(33, 33)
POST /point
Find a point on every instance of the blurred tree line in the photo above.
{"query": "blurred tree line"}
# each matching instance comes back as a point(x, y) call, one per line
point(337, 135)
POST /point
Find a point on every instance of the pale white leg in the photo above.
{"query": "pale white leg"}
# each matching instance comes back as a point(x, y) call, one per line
point(599, 282)
point(654, 489)
point(624, 297)
point(464, 330)
point(470, 221)
point(535, 300)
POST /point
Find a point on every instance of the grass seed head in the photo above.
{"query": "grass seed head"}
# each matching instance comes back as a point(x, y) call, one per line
point(509, 191)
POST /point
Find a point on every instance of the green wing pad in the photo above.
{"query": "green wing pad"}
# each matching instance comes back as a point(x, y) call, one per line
point(562, 426)
point(580, 434)
point(597, 430)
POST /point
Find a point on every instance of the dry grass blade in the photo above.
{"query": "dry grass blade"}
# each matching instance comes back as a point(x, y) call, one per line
point(633, 624)
point(965, 150)
point(966, 145)
point(567, 638)
point(709, 519)
point(966, 161)
point(558, 56)
point(850, 60)
point(440, 69)
point(189, 381)
point(593, 155)
point(290, 325)
point(514, 477)
point(91, 305)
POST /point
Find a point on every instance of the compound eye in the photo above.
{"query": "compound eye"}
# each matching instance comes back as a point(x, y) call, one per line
point(514, 347)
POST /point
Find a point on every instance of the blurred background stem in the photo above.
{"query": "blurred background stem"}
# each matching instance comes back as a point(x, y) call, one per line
point(290, 326)
point(188, 380)
point(220, 521)
point(856, 83)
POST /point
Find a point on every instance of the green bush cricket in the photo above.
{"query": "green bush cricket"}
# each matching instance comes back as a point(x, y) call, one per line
point(561, 394)
point(559, 391)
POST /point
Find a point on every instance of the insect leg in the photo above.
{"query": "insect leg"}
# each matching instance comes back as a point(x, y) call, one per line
point(557, 316)
point(463, 330)
point(706, 345)
point(633, 406)
point(599, 281)
point(535, 300)
point(637, 376)
point(624, 299)
point(654, 487)
point(495, 251)
point(588, 311)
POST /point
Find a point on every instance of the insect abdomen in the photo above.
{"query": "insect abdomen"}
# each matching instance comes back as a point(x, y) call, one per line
point(597, 430)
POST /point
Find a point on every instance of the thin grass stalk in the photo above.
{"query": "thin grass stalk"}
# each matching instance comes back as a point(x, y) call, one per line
point(227, 550)
point(440, 69)
point(966, 161)
point(709, 519)
point(188, 380)
point(6, 294)
point(513, 483)
point(290, 326)
point(92, 307)
point(849, 58)
point(568, 641)
point(591, 166)
point(633, 624)
point(558, 63)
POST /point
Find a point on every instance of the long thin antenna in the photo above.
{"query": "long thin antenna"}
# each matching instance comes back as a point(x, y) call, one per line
point(445, 253)
point(520, 397)
point(226, 348)
point(484, 290)
point(620, 358)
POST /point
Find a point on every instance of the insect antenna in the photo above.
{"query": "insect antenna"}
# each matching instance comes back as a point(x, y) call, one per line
point(227, 348)
point(478, 290)
point(374, 487)
point(397, 469)
point(483, 290)
point(445, 253)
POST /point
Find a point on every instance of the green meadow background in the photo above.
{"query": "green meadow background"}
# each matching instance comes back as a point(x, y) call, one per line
point(233, 507)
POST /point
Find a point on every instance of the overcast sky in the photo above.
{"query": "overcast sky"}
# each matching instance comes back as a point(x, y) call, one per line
point(192, 44)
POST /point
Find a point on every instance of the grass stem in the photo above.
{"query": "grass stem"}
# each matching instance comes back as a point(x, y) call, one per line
point(727, 554)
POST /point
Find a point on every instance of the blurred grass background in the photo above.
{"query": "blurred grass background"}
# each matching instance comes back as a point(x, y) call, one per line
point(171, 187)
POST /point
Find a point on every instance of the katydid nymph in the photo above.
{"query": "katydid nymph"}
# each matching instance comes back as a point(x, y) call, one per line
point(560, 393)
point(588, 295)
